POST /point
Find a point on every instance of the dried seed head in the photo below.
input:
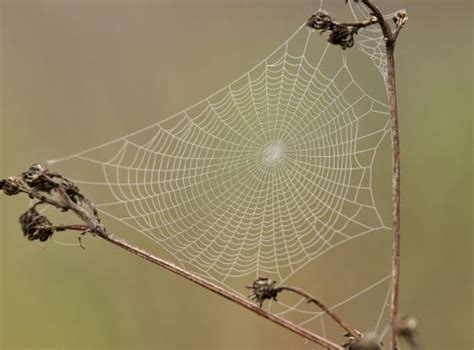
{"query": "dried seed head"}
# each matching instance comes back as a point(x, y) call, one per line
point(365, 342)
point(32, 174)
point(320, 21)
point(43, 180)
point(342, 36)
point(263, 288)
point(36, 179)
point(406, 329)
point(400, 17)
point(11, 186)
point(36, 226)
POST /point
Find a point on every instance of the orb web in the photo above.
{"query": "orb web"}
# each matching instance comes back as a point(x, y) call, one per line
point(260, 178)
point(272, 153)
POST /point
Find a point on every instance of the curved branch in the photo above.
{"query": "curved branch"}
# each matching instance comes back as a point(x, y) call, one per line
point(375, 11)
point(351, 331)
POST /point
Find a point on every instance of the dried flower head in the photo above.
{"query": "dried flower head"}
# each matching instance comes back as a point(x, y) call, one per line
point(320, 21)
point(400, 17)
point(36, 226)
point(11, 185)
point(406, 329)
point(365, 342)
point(35, 178)
point(43, 180)
point(342, 36)
point(263, 288)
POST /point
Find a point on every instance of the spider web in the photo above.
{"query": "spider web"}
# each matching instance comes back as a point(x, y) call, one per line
point(370, 41)
point(260, 178)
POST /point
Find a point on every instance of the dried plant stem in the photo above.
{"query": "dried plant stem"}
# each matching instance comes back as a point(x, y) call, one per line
point(343, 34)
point(395, 281)
point(360, 25)
point(222, 292)
point(92, 225)
point(390, 40)
point(323, 307)
point(59, 228)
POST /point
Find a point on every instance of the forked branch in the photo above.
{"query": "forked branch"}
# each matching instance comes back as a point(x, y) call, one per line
point(344, 36)
point(391, 36)
point(265, 288)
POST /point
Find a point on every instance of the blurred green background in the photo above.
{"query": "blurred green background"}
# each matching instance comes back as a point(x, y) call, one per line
point(92, 71)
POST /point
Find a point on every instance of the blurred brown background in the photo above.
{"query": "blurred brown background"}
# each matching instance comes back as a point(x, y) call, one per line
point(92, 71)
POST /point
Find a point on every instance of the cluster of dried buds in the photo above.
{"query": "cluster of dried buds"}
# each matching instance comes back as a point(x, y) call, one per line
point(44, 186)
point(39, 179)
point(44, 180)
point(341, 34)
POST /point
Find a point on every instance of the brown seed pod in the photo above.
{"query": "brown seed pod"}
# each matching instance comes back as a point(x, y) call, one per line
point(36, 226)
point(10, 186)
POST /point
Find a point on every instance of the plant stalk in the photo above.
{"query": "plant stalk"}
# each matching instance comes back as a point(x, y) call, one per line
point(92, 223)
point(390, 40)
point(354, 333)
point(221, 291)
point(395, 139)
